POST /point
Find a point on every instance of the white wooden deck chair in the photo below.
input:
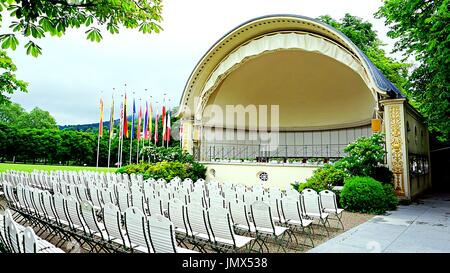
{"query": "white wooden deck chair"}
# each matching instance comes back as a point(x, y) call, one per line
point(240, 215)
point(13, 234)
point(49, 207)
point(123, 198)
point(197, 199)
point(313, 209)
point(148, 190)
point(196, 219)
point(113, 225)
point(241, 191)
point(94, 229)
point(217, 201)
point(162, 236)
point(155, 205)
point(59, 201)
point(33, 244)
point(37, 200)
point(73, 210)
point(292, 213)
point(329, 205)
point(292, 193)
point(10, 196)
point(265, 226)
point(138, 200)
point(223, 233)
point(176, 213)
point(3, 239)
point(21, 197)
point(82, 192)
point(108, 196)
point(274, 202)
point(229, 193)
point(136, 228)
point(96, 198)
point(64, 188)
point(161, 181)
point(165, 197)
point(29, 199)
point(258, 192)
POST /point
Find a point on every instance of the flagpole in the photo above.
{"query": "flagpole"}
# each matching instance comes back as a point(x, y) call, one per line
point(138, 131)
point(123, 126)
point(163, 117)
point(132, 130)
point(100, 127)
point(150, 121)
point(111, 128)
point(145, 126)
point(120, 133)
point(167, 122)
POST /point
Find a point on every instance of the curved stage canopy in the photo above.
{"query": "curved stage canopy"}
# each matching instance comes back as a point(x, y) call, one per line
point(314, 72)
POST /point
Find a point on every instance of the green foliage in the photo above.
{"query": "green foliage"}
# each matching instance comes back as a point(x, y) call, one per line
point(154, 153)
point(14, 114)
point(34, 19)
point(383, 174)
point(8, 81)
point(361, 33)
point(38, 119)
point(324, 178)
point(364, 155)
point(365, 194)
point(166, 170)
point(391, 199)
point(421, 29)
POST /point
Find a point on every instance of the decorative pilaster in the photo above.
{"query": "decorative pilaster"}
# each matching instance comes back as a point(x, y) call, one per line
point(187, 143)
point(396, 145)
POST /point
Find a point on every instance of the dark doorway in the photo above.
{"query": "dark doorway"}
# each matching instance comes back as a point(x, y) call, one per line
point(440, 165)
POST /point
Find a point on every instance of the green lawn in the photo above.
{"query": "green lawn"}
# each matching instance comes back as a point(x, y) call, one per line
point(31, 167)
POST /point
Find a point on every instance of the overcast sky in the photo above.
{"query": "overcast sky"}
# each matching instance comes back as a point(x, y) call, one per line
point(68, 78)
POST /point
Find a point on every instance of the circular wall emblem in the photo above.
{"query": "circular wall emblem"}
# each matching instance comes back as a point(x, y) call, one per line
point(263, 176)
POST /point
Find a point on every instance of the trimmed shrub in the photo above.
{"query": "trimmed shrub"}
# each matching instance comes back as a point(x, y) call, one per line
point(364, 194)
point(390, 197)
point(364, 155)
point(383, 174)
point(167, 170)
point(324, 178)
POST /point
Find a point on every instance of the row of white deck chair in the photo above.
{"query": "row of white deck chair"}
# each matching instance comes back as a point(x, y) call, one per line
point(131, 230)
point(19, 239)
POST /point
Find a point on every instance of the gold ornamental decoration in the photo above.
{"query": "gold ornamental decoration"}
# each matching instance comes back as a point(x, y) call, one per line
point(396, 146)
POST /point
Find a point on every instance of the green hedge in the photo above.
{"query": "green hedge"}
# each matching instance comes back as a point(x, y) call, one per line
point(365, 194)
point(167, 170)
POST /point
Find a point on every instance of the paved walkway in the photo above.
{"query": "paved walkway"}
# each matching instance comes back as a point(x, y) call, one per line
point(419, 227)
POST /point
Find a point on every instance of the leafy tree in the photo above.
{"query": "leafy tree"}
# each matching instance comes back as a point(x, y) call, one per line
point(8, 81)
point(11, 112)
point(422, 30)
point(33, 19)
point(365, 38)
point(37, 118)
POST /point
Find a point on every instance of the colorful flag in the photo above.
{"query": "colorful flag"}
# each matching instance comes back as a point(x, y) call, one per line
point(156, 126)
point(168, 127)
point(100, 125)
point(163, 119)
point(146, 121)
point(125, 119)
point(121, 121)
point(150, 122)
point(111, 120)
point(139, 123)
point(164, 132)
point(132, 119)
